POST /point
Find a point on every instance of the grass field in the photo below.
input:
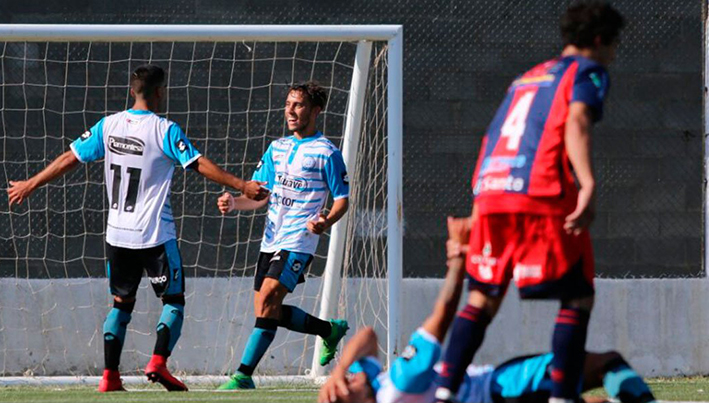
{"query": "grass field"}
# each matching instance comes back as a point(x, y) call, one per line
point(667, 389)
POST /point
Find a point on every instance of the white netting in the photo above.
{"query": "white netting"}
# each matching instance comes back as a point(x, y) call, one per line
point(228, 97)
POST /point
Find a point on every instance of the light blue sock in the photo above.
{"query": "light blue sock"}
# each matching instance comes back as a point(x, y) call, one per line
point(169, 328)
point(259, 341)
point(621, 382)
point(116, 325)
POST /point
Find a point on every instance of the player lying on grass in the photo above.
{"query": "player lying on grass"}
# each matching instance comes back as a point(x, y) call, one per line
point(299, 171)
point(413, 377)
point(140, 150)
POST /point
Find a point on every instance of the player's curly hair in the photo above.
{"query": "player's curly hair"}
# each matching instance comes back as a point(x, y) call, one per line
point(585, 20)
point(312, 89)
point(146, 78)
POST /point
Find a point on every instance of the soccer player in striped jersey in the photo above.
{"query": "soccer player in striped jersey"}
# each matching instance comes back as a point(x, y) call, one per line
point(414, 376)
point(530, 221)
point(299, 171)
point(140, 150)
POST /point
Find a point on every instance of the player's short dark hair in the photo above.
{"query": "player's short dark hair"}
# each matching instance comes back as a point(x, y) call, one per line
point(585, 20)
point(313, 91)
point(146, 79)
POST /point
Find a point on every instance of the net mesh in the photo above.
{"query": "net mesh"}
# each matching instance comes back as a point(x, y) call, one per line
point(229, 99)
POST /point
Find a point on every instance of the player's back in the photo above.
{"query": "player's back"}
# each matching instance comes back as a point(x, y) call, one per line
point(140, 150)
point(523, 165)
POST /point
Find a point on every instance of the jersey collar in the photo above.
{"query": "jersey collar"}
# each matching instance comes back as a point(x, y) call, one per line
point(139, 112)
point(316, 136)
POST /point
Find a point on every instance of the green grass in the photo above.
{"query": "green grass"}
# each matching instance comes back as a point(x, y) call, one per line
point(668, 389)
point(148, 394)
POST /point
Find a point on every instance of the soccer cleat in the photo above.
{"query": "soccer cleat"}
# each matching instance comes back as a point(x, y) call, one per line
point(329, 344)
point(111, 382)
point(238, 381)
point(156, 371)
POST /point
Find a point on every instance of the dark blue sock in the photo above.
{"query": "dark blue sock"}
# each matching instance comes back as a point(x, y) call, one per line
point(569, 347)
point(621, 382)
point(297, 320)
point(261, 337)
point(466, 337)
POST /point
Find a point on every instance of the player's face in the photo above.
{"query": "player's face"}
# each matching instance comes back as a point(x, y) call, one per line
point(360, 391)
point(299, 112)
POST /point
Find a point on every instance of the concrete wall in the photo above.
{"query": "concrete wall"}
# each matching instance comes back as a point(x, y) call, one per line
point(54, 327)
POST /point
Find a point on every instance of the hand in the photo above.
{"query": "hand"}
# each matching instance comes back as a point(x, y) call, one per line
point(318, 226)
point(255, 190)
point(19, 191)
point(335, 386)
point(225, 203)
point(458, 236)
point(584, 214)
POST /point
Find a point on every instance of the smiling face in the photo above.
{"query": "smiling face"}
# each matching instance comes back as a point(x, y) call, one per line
point(300, 114)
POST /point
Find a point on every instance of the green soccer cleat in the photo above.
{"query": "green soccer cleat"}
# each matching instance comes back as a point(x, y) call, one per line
point(329, 344)
point(238, 381)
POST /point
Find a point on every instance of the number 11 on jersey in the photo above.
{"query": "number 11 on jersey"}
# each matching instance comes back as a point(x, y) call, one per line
point(133, 182)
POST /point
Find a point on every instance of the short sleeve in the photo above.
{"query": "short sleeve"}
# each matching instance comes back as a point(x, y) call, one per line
point(591, 87)
point(413, 371)
point(89, 146)
point(178, 148)
point(265, 170)
point(336, 176)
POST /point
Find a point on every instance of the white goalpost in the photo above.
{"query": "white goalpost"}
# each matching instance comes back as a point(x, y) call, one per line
point(226, 88)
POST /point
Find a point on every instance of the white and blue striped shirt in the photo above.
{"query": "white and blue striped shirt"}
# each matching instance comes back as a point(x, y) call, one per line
point(299, 174)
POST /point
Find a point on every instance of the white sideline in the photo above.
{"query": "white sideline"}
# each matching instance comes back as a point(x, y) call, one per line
point(260, 381)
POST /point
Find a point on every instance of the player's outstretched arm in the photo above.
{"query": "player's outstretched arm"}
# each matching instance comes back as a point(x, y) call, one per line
point(439, 321)
point(211, 171)
point(228, 203)
point(363, 344)
point(339, 208)
point(20, 190)
point(578, 146)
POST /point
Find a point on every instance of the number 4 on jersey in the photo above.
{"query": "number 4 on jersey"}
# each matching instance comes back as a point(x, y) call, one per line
point(516, 121)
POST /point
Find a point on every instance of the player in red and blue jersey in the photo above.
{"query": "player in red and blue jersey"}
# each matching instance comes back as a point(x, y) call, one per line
point(530, 221)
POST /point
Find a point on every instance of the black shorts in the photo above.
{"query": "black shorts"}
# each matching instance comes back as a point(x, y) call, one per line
point(285, 266)
point(162, 263)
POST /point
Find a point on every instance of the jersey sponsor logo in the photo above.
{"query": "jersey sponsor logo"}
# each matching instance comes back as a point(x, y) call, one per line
point(125, 145)
point(345, 178)
point(502, 164)
point(409, 352)
point(259, 165)
point(309, 162)
point(181, 145)
point(523, 271)
point(283, 201)
point(507, 184)
point(544, 80)
point(485, 262)
point(132, 122)
point(158, 279)
point(291, 183)
point(86, 135)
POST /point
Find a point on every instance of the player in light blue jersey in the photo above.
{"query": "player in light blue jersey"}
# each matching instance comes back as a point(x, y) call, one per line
point(299, 171)
point(140, 150)
point(414, 376)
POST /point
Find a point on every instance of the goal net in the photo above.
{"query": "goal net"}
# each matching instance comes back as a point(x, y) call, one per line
point(226, 89)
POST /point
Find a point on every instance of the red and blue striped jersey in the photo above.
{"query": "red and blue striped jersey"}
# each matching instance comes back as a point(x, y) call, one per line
point(523, 166)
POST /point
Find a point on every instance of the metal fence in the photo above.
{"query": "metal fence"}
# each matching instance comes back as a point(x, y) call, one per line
point(459, 58)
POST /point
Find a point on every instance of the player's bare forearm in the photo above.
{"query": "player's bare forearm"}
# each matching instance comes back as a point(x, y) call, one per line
point(243, 203)
point(20, 190)
point(444, 310)
point(211, 171)
point(362, 344)
point(339, 208)
point(578, 144)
